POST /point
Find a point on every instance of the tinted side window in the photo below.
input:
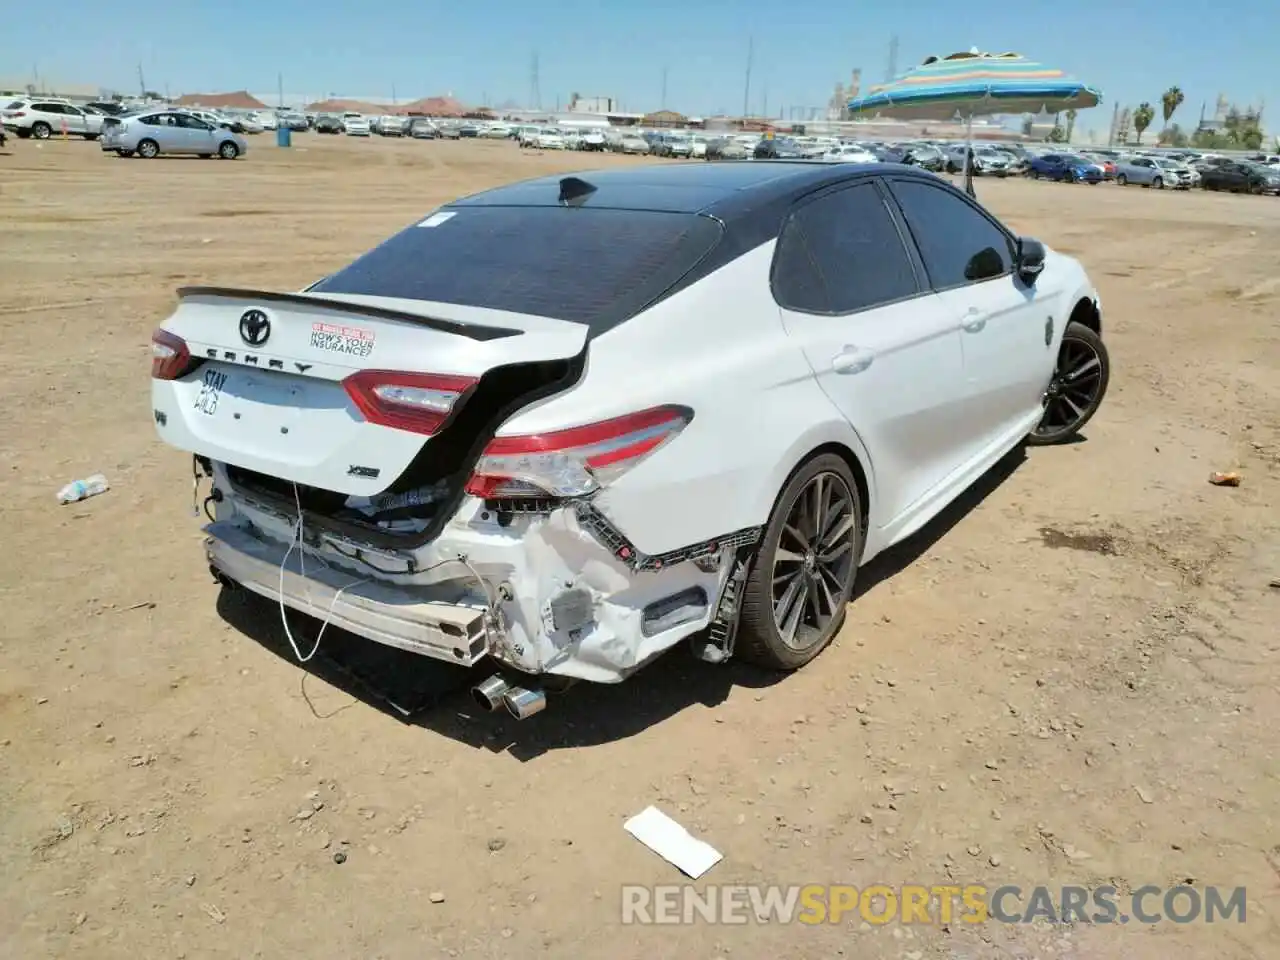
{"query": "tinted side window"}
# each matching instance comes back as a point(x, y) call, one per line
point(853, 251)
point(958, 244)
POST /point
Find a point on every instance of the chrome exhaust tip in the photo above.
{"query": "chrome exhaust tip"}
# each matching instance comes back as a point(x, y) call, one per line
point(489, 694)
point(523, 704)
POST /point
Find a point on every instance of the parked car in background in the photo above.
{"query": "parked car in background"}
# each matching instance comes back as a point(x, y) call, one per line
point(355, 125)
point(1106, 164)
point(108, 108)
point(548, 139)
point(468, 130)
point(851, 153)
point(481, 466)
point(422, 128)
point(42, 118)
point(727, 148)
point(149, 135)
point(328, 123)
point(389, 126)
point(777, 148)
point(1152, 172)
point(925, 156)
point(671, 145)
point(1241, 176)
point(1066, 167)
point(633, 143)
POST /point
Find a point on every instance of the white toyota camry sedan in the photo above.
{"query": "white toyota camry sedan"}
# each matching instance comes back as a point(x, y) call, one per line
point(562, 425)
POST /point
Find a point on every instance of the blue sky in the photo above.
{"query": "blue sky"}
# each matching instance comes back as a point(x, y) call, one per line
point(1133, 51)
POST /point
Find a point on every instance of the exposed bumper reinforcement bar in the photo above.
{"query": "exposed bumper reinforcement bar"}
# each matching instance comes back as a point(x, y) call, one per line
point(391, 614)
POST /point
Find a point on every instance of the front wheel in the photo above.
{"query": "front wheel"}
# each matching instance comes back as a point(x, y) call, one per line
point(1122, 180)
point(1158, 183)
point(1075, 392)
point(228, 151)
point(148, 149)
point(803, 574)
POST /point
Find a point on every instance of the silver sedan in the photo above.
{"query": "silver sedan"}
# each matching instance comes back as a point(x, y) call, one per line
point(148, 135)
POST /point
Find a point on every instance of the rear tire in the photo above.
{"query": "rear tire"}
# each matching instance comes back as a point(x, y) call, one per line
point(803, 574)
point(1078, 386)
point(41, 131)
point(1122, 180)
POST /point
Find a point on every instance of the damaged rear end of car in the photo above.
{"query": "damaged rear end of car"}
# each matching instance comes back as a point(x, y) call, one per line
point(353, 436)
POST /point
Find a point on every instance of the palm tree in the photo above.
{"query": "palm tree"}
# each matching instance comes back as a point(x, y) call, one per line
point(1142, 118)
point(1071, 123)
point(1171, 100)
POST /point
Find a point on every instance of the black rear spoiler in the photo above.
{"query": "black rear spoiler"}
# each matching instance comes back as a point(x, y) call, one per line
point(469, 330)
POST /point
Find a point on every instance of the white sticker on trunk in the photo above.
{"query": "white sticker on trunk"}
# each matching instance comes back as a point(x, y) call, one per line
point(337, 338)
point(436, 219)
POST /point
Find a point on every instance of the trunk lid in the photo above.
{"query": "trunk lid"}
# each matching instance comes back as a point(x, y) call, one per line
point(264, 387)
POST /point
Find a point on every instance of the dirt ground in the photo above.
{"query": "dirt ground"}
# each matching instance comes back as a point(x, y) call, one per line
point(1069, 678)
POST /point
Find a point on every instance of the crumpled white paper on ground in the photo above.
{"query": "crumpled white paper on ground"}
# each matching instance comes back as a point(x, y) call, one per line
point(672, 842)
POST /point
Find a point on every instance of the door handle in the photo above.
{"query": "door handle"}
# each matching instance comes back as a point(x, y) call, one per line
point(973, 321)
point(851, 360)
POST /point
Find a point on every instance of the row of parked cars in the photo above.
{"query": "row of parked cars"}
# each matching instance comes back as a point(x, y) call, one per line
point(1175, 171)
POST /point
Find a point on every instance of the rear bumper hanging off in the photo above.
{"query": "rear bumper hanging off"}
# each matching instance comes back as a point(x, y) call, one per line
point(383, 612)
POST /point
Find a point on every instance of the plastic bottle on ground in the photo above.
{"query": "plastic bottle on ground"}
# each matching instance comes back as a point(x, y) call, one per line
point(83, 489)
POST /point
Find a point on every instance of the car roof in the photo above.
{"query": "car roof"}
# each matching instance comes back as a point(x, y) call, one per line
point(722, 190)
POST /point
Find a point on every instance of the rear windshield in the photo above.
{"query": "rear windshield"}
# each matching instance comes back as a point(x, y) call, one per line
point(592, 266)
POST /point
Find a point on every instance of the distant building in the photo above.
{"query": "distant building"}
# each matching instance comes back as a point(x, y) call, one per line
point(664, 118)
point(43, 87)
point(600, 105)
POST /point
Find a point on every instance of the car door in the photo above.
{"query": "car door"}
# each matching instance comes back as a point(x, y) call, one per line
point(195, 134)
point(73, 117)
point(1007, 326)
point(883, 348)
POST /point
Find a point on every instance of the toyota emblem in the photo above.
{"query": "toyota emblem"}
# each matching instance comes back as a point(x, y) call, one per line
point(255, 327)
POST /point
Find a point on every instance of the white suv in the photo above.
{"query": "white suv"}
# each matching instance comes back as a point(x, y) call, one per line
point(43, 117)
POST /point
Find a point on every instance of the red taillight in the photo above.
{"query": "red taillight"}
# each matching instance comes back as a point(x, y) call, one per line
point(169, 355)
point(417, 402)
point(573, 462)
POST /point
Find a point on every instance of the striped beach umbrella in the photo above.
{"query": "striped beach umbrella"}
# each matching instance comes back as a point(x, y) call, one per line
point(967, 85)
point(973, 84)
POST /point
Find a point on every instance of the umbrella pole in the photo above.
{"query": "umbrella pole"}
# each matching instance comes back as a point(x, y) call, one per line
point(968, 159)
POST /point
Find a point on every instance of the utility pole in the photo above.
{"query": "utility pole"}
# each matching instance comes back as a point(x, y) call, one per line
point(892, 70)
point(746, 93)
point(764, 103)
point(662, 104)
point(280, 88)
point(535, 90)
point(142, 81)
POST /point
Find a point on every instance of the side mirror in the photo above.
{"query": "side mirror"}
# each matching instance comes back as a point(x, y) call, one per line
point(1030, 259)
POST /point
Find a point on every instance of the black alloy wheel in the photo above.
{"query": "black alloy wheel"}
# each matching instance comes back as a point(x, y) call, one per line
point(1079, 383)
